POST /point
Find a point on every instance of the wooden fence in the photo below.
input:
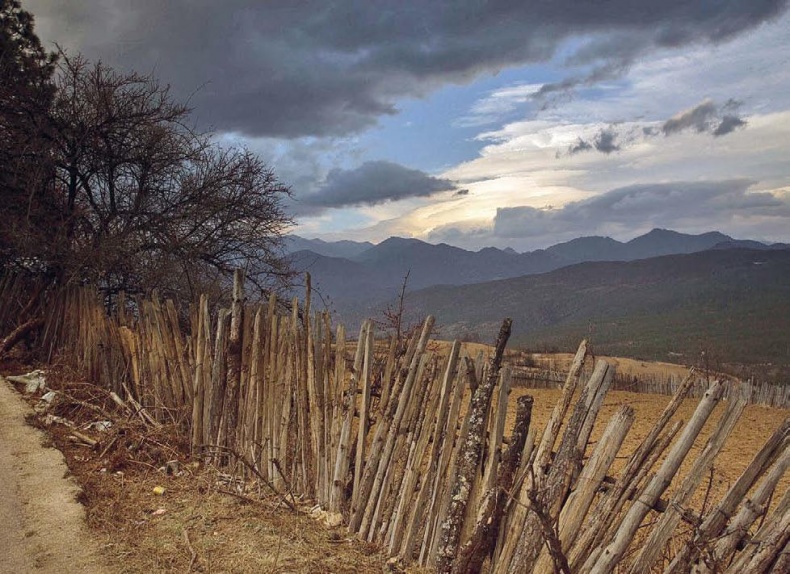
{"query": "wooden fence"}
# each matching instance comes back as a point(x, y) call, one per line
point(410, 448)
point(756, 392)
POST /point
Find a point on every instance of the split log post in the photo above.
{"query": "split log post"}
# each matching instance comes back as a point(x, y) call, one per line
point(302, 468)
point(274, 388)
point(549, 490)
point(495, 437)
point(417, 516)
point(247, 401)
point(343, 458)
point(201, 353)
point(387, 378)
point(594, 532)
point(179, 353)
point(766, 545)
point(717, 518)
point(398, 429)
point(337, 391)
point(418, 444)
point(551, 433)
point(364, 405)
point(613, 553)
point(212, 409)
point(661, 532)
point(386, 430)
point(470, 455)
point(328, 392)
point(516, 512)
point(233, 373)
point(253, 407)
point(423, 407)
point(578, 504)
point(752, 508)
point(313, 406)
point(484, 535)
point(445, 452)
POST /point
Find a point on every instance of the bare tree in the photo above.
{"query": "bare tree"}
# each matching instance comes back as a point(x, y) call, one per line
point(146, 201)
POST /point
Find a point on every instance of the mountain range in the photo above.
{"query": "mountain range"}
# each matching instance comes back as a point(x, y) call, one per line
point(356, 279)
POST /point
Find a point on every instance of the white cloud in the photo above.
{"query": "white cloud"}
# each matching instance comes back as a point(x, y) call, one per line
point(497, 104)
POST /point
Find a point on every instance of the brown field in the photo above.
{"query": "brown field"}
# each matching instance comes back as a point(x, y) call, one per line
point(200, 525)
point(752, 430)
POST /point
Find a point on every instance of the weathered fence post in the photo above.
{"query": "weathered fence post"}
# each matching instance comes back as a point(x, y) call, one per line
point(470, 455)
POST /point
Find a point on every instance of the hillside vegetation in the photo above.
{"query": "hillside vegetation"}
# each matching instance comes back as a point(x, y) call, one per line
point(733, 304)
point(356, 278)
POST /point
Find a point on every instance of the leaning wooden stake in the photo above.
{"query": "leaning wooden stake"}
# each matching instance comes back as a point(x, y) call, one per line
point(384, 438)
point(763, 551)
point(716, 520)
point(548, 490)
point(470, 454)
point(202, 357)
point(349, 406)
point(578, 504)
point(609, 508)
point(613, 553)
point(517, 510)
point(660, 533)
point(437, 508)
point(752, 508)
point(366, 380)
point(483, 539)
point(417, 513)
point(233, 374)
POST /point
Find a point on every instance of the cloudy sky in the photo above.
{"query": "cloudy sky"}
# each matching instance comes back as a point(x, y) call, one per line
point(474, 122)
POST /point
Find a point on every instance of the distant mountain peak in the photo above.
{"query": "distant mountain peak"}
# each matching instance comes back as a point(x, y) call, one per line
point(344, 248)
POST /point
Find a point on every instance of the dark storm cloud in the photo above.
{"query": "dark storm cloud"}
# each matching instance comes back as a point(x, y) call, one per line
point(375, 182)
point(700, 118)
point(605, 141)
point(728, 124)
point(649, 205)
point(580, 146)
point(286, 69)
point(706, 117)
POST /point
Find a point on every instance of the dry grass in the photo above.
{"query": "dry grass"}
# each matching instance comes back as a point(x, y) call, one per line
point(201, 523)
point(750, 433)
point(195, 526)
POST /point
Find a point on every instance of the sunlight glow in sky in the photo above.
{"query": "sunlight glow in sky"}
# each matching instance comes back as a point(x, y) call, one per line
point(480, 124)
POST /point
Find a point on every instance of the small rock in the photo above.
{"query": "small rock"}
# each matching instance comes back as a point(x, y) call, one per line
point(33, 381)
point(45, 402)
point(100, 426)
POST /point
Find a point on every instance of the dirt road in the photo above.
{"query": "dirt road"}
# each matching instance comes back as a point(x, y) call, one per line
point(42, 527)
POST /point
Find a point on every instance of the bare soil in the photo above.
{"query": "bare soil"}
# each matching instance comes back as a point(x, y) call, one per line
point(43, 524)
point(202, 522)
